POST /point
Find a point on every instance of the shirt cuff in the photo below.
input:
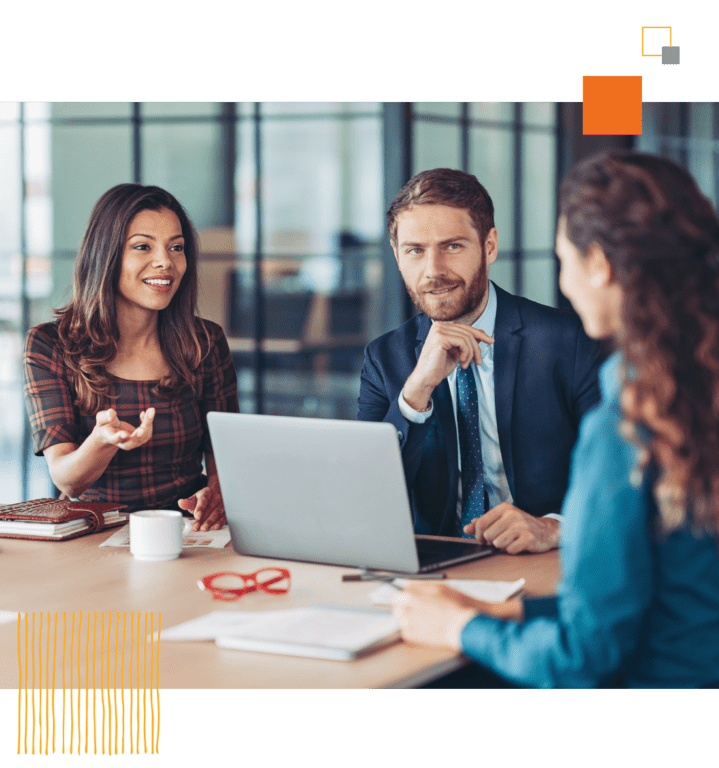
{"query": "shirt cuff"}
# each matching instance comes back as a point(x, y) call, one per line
point(416, 417)
point(554, 516)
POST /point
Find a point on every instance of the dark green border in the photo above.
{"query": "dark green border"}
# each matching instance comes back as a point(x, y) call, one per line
point(322, 50)
point(376, 50)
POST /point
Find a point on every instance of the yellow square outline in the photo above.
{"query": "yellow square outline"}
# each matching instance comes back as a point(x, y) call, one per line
point(655, 54)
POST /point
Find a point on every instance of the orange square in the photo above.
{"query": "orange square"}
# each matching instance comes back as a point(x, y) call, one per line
point(612, 105)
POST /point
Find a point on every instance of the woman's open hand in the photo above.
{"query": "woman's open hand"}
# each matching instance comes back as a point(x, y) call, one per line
point(121, 434)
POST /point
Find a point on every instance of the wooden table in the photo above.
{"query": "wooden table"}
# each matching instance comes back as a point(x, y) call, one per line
point(78, 575)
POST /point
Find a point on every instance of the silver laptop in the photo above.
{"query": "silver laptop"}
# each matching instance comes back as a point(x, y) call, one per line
point(323, 491)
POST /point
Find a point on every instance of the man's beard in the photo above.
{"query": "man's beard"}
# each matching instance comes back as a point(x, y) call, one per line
point(457, 307)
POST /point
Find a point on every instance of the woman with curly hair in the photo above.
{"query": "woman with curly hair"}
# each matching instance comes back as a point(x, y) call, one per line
point(118, 387)
point(638, 604)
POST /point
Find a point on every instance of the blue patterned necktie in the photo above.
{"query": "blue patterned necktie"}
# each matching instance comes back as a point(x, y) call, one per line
point(470, 448)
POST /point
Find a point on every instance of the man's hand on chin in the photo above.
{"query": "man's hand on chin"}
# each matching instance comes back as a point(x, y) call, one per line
point(508, 528)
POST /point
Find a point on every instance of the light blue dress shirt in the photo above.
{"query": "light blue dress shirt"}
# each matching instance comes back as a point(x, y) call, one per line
point(633, 608)
point(495, 478)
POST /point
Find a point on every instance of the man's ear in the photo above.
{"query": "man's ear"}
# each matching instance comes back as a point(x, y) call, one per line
point(394, 250)
point(491, 246)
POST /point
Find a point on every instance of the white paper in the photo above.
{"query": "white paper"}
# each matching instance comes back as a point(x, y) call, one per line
point(10, 617)
point(214, 539)
point(488, 591)
point(319, 625)
point(212, 625)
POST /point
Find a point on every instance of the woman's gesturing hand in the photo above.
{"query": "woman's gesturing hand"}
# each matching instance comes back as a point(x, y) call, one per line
point(207, 507)
point(121, 434)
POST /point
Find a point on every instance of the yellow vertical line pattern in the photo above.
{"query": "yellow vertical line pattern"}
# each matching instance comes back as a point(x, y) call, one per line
point(157, 674)
point(94, 708)
point(102, 684)
point(33, 682)
point(39, 689)
point(132, 653)
point(114, 672)
point(72, 708)
point(137, 682)
point(122, 679)
point(64, 638)
point(26, 701)
point(109, 706)
point(152, 706)
point(26, 665)
point(19, 686)
point(47, 684)
point(79, 686)
point(144, 686)
point(87, 679)
point(54, 664)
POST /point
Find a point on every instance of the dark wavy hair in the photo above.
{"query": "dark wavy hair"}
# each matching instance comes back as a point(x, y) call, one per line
point(661, 237)
point(87, 325)
point(445, 186)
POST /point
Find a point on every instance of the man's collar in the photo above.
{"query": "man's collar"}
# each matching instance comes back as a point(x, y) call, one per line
point(486, 321)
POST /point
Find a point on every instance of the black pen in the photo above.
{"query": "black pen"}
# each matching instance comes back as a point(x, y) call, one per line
point(390, 577)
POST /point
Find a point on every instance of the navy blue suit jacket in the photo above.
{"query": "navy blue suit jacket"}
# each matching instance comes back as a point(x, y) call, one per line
point(545, 380)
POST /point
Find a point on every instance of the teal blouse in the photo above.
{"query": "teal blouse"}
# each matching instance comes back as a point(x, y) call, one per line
point(633, 608)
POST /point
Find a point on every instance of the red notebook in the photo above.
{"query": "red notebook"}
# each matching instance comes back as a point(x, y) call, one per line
point(57, 519)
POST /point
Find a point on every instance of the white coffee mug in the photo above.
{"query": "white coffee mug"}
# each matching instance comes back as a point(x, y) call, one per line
point(156, 534)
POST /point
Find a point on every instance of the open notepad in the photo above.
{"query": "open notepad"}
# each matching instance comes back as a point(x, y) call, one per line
point(333, 632)
point(321, 631)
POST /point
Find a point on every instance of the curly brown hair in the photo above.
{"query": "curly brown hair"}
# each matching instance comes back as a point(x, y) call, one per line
point(87, 326)
point(661, 237)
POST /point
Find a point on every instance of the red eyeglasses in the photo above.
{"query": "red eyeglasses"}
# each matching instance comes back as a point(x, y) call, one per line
point(274, 581)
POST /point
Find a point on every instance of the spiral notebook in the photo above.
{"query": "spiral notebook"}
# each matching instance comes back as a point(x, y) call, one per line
point(57, 519)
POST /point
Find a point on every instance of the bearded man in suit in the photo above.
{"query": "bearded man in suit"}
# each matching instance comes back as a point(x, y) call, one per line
point(486, 389)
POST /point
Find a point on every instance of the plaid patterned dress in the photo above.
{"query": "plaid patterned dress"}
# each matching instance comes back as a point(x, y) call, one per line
point(166, 468)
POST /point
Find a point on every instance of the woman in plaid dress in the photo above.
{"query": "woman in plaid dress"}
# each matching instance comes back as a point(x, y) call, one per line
point(118, 387)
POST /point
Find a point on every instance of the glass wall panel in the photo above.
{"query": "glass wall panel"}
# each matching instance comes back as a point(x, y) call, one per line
point(9, 110)
point(37, 110)
point(303, 108)
point(10, 190)
point(502, 273)
point(436, 145)
point(11, 424)
point(186, 159)
point(91, 109)
point(39, 221)
point(301, 186)
point(539, 278)
point(322, 213)
point(86, 162)
point(492, 110)
point(438, 108)
point(701, 148)
point(540, 113)
point(539, 190)
point(180, 108)
point(491, 160)
point(246, 189)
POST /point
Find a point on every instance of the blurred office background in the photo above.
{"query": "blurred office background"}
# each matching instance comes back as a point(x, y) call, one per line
point(289, 200)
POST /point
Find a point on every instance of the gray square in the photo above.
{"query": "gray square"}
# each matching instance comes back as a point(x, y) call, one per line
point(670, 54)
